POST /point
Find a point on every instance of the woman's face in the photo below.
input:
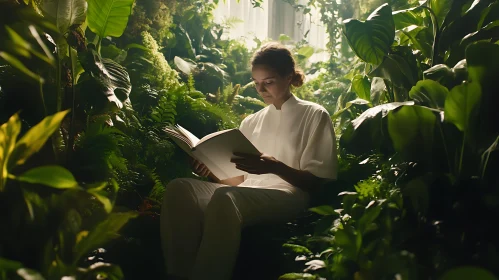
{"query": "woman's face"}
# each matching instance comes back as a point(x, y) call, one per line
point(271, 86)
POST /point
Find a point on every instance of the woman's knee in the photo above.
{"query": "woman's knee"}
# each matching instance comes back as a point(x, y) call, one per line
point(224, 203)
point(178, 188)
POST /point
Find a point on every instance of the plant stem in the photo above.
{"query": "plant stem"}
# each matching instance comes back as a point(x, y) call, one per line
point(69, 148)
point(445, 146)
point(462, 156)
point(436, 33)
point(40, 84)
point(58, 83)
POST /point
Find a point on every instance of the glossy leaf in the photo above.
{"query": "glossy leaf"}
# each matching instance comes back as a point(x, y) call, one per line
point(429, 93)
point(441, 8)
point(184, 66)
point(50, 175)
point(102, 195)
point(65, 13)
point(108, 17)
point(461, 104)
point(112, 79)
point(362, 87)
point(420, 37)
point(35, 138)
point(382, 110)
point(404, 18)
point(371, 40)
point(8, 135)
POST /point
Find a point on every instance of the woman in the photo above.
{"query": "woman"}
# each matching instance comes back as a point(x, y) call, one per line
point(201, 221)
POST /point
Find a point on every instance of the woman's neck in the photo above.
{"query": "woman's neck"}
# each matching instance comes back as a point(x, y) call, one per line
point(278, 103)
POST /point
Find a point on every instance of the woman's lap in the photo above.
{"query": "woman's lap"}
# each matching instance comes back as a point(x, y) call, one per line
point(255, 204)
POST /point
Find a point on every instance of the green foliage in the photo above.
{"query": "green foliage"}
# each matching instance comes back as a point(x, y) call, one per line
point(109, 17)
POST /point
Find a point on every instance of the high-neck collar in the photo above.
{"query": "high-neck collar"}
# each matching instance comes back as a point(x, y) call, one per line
point(287, 105)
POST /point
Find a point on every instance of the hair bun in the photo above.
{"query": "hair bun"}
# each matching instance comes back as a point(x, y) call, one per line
point(298, 78)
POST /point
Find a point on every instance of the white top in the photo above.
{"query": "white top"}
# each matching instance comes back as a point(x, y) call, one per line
point(300, 135)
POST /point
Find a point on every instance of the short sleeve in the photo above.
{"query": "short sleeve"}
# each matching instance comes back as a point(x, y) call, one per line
point(320, 154)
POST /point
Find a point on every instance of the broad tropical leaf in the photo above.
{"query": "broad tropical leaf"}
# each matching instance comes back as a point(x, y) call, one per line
point(108, 17)
point(411, 129)
point(371, 40)
point(429, 93)
point(362, 87)
point(461, 105)
point(8, 135)
point(35, 138)
point(441, 8)
point(65, 13)
point(50, 175)
point(184, 66)
point(382, 110)
point(404, 18)
point(113, 81)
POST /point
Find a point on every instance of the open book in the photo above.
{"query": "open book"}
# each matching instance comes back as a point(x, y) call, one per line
point(214, 150)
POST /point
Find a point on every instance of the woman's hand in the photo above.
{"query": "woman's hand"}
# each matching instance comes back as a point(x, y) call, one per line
point(199, 168)
point(256, 164)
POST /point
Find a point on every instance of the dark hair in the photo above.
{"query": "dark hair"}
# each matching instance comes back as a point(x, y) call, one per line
point(279, 58)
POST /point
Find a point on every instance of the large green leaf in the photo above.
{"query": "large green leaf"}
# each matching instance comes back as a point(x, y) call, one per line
point(362, 87)
point(421, 38)
point(65, 13)
point(112, 79)
point(371, 40)
point(50, 175)
point(462, 104)
point(441, 8)
point(483, 66)
point(446, 76)
point(429, 93)
point(184, 66)
point(411, 130)
point(8, 135)
point(381, 110)
point(102, 233)
point(404, 18)
point(468, 272)
point(108, 17)
point(35, 138)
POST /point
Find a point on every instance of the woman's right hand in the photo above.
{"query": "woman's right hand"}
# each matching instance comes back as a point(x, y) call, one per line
point(199, 168)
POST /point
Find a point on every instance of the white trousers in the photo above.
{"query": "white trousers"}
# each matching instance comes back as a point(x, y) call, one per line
point(201, 223)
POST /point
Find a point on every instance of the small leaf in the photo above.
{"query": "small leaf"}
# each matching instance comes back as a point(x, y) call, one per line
point(35, 138)
point(306, 51)
point(8, 135)
point(297, 276)
point(297, 249)
point(284, 38)
point(323, 210)
point(6, 265)
point(50, 175)
point(103, 196)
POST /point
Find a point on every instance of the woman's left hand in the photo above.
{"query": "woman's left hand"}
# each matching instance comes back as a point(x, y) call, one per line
point(256, 164)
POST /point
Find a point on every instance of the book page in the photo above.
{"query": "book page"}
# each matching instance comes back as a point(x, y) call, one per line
point(217, 151)
point(211, 135)
point(192, 138)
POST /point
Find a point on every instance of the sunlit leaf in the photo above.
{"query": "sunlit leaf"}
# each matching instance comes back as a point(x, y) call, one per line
point(429, 93)
point(297, 276)
point(306, 51)
point(441, 8)
point(184, 66)
point(35, 138)
point(108, 17)
point(297, 249)
point(371, 40)
point(50, 175)
point(16, 63)
point(103, 196)
point(362, 87)
point(383, 109)
point(404, 18)
point(411, 129)
point(65, 13)
point(8, 135)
